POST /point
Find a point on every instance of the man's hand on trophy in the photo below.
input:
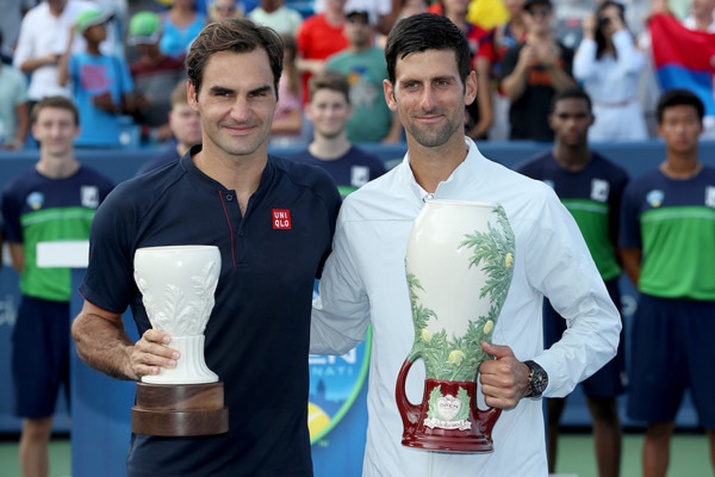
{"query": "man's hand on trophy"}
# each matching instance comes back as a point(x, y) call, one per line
point(151, 353)
point(505, 379)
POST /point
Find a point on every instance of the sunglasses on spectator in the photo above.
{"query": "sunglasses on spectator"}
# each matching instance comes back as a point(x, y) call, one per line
point(539, 11)
point(358, 20)
point(226, 9)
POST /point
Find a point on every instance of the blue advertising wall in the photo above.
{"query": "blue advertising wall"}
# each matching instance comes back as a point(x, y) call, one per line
point(101, 406)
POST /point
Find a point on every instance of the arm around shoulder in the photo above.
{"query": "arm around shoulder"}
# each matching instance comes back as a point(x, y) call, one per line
point(341, 313)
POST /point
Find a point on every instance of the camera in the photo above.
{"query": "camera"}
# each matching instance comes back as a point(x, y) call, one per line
point(603, 21)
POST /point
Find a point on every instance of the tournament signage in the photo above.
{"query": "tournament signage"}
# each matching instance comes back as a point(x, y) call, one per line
point(335, 383)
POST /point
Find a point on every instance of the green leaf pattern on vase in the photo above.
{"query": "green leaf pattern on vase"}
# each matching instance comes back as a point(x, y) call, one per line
point(456, 358)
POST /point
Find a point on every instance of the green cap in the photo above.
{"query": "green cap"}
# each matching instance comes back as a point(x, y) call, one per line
point(92, 17)
point(144, 28)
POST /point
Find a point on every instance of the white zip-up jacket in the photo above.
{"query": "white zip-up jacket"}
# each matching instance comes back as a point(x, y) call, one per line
point(364, 283)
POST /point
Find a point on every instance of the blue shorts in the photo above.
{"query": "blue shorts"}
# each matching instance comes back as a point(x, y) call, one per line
point(673, 343)
point(40, 356)
point(611, 379)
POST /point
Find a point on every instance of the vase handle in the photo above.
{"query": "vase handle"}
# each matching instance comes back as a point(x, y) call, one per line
point(408, 411)
point(487, 418)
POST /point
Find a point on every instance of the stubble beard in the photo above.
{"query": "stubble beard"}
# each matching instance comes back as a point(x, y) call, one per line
point(436, 138)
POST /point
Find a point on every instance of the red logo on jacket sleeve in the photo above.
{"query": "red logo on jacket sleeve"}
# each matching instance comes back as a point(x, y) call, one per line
point(281, 219)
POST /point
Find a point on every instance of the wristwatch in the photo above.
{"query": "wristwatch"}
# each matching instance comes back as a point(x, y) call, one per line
point(538, 379)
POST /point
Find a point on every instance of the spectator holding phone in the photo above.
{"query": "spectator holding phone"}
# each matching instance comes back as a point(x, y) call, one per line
point(609, 64)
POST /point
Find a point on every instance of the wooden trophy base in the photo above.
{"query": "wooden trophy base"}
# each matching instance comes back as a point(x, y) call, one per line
point(180, 410)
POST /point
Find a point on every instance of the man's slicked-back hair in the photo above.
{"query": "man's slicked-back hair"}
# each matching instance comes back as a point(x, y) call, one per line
point(237, 36)
point(427, 31)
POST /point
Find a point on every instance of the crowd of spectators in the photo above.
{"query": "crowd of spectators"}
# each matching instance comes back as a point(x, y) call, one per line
point(523, 51)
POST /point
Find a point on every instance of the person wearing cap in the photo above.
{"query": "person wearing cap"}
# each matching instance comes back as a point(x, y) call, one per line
point(383, 12)
point(155, 75)
point(101, 84)
point(533, 71)
point(43, 36)
point(364, 65)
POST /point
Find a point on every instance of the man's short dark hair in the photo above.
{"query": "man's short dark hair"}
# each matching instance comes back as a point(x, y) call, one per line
point(58, 102)
point(237, 36)
point(571, 93)
point(331, 80)
point(679, 97)
point(427, 31)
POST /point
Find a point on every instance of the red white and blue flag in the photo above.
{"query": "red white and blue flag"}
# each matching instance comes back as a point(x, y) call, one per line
point(684, 58)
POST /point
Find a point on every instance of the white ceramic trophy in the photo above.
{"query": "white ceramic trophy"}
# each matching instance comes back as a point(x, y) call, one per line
point(459, 269)
point(177, 284)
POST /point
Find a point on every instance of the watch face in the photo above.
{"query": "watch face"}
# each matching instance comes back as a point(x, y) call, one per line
point(538, 380)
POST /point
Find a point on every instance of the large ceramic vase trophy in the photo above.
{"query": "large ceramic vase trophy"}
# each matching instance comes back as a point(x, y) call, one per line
point(459, 268)
point(177, 285)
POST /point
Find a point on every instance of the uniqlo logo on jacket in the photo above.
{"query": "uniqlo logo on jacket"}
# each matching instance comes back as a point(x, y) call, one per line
point(281, 219)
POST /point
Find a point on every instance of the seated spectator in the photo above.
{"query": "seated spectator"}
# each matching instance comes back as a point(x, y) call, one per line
point(101, 84)
point(365, 67)
point(181, 24)
point(608, 64)
point(223, 9)
point(318, 37)
point(274, 14)
point(287, 123)
point(185, 125)
point(155, 75)
point(329, 110)
point(14, 111)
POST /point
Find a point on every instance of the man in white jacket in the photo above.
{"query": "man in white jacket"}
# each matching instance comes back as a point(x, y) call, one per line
point(430, 82)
